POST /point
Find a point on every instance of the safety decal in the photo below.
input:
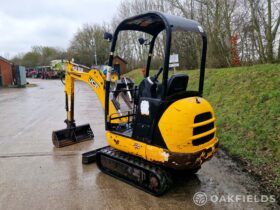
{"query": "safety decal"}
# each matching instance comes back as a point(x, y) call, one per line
point(144, 108)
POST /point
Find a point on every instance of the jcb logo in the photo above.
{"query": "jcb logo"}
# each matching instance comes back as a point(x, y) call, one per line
point(93, 83)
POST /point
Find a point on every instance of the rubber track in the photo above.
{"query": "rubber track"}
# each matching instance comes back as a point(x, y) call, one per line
point(164, 177)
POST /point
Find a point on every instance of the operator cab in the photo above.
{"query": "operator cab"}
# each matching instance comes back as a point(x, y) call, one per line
point(158, 89)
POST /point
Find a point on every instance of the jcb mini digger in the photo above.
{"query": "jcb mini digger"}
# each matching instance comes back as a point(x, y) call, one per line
point(169, 128)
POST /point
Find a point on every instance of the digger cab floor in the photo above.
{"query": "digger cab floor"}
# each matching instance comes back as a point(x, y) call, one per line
point(127, 132)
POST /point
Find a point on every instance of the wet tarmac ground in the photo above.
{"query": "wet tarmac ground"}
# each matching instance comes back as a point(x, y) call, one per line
point(35, 175)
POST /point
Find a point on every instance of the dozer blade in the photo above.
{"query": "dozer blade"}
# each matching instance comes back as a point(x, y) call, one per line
point(68, 136)
point(90, 157)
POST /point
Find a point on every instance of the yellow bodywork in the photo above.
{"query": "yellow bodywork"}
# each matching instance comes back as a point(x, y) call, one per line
point(136, 148)
point(177, 123)
point(176, 127)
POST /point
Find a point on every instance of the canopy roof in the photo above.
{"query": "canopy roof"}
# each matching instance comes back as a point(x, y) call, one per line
point(154, 22)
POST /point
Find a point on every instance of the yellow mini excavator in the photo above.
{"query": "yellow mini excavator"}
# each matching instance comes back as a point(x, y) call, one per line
point(169, 128)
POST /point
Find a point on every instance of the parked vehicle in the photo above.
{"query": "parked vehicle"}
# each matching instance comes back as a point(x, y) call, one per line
point(31, 72)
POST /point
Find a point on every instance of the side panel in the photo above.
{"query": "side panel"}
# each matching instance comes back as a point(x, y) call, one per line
point(137, 148)
point(127, 145)
point(146, 124)
point(146, 119)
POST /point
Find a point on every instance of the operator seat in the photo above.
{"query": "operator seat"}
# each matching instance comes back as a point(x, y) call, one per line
point(147, 88)
point(177, 83)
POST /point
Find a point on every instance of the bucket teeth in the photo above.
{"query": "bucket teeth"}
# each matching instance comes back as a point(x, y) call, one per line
point(69, 136)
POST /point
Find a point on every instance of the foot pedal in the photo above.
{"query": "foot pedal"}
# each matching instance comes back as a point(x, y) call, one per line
point(90, 157)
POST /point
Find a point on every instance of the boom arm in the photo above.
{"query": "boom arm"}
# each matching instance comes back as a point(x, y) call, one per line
point(96, 81)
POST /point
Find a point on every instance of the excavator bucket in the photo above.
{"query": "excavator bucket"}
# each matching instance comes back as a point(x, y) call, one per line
point(68, 136)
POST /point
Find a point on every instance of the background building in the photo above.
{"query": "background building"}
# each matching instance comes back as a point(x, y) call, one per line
point(120, 65)
point(6, 77)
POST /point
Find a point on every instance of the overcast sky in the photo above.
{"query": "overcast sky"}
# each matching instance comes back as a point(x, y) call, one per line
point(26, 23)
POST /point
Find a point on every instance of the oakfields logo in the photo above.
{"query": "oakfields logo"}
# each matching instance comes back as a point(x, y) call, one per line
point(201, 198)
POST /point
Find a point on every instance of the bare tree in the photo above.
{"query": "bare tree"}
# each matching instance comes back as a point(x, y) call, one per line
point(266, 19)
point(88, 40)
